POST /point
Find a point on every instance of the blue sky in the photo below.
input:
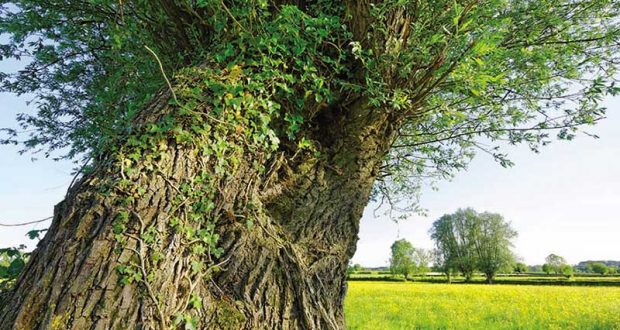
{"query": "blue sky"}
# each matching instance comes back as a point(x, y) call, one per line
point(564, 200)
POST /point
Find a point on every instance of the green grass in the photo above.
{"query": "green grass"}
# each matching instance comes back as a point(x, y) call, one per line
point(400, 305)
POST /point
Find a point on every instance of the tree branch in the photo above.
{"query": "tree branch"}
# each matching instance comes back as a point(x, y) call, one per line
point(497, 130)
point(24, 223)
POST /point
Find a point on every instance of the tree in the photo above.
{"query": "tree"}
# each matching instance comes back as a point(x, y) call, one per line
point(470, 240)
point(599, 268)
point(350, 270)
point(422, 259)
point(402, 260)
point(440, 265)
point(492, 237)
point(520, 268)
point(567, 270)
point(227, 149)
point(555, 263)
point(406, 259)
point(535, 269)
point(354, 269)
point(547, 269)
point(453, 242)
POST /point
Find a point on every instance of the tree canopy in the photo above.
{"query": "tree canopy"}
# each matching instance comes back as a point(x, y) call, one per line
point(402, 258)
point(493, 244)
point(520, 268)
point(453, 243)
point(468, 241)
point(405, 259)
point(554, 263)
point(600, 268)
point(453, 75)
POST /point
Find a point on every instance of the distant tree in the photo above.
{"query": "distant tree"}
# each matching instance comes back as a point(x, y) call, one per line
point(452, 242)
point(470, 240)
point(350, 270)
point(567, 270)
point(600, 268)
point(520, 268)
point(612, 270)
point(535, 269)
point(492, 238)
point(422, 259)
point(547, 269)
point(354, 268)
point(555, 262)
point(440, 265)
point(402, 260)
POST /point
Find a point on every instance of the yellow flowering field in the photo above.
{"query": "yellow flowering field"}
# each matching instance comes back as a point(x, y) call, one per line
point(399, 305)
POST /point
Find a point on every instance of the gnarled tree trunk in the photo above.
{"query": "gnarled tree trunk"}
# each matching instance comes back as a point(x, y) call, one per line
point(286, 271)
point(222, 234)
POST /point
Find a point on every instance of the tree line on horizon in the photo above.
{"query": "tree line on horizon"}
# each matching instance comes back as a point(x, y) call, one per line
point(468, 242)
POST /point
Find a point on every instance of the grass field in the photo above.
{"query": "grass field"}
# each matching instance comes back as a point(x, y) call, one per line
point(529, 279)
point(400, 305)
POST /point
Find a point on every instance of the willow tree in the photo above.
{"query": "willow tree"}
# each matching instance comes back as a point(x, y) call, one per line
point(468, 241)
point(230, 147)
point(456, 237)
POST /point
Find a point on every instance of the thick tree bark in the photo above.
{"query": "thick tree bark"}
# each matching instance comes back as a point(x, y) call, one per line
point(288, 271)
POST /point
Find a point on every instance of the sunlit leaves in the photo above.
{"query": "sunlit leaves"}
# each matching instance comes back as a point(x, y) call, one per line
point(496, 73)
point(460, 77)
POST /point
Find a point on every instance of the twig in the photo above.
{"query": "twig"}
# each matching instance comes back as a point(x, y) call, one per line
point(24, 223)
point(80, 171)
point(230, 14)
point(161, 67)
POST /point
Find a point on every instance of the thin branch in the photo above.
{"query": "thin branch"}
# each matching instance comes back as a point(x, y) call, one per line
point(526, 129)
point(161, 67)
point(24, 223)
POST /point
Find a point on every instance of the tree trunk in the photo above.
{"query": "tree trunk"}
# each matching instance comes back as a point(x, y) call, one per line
point(118, 263)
